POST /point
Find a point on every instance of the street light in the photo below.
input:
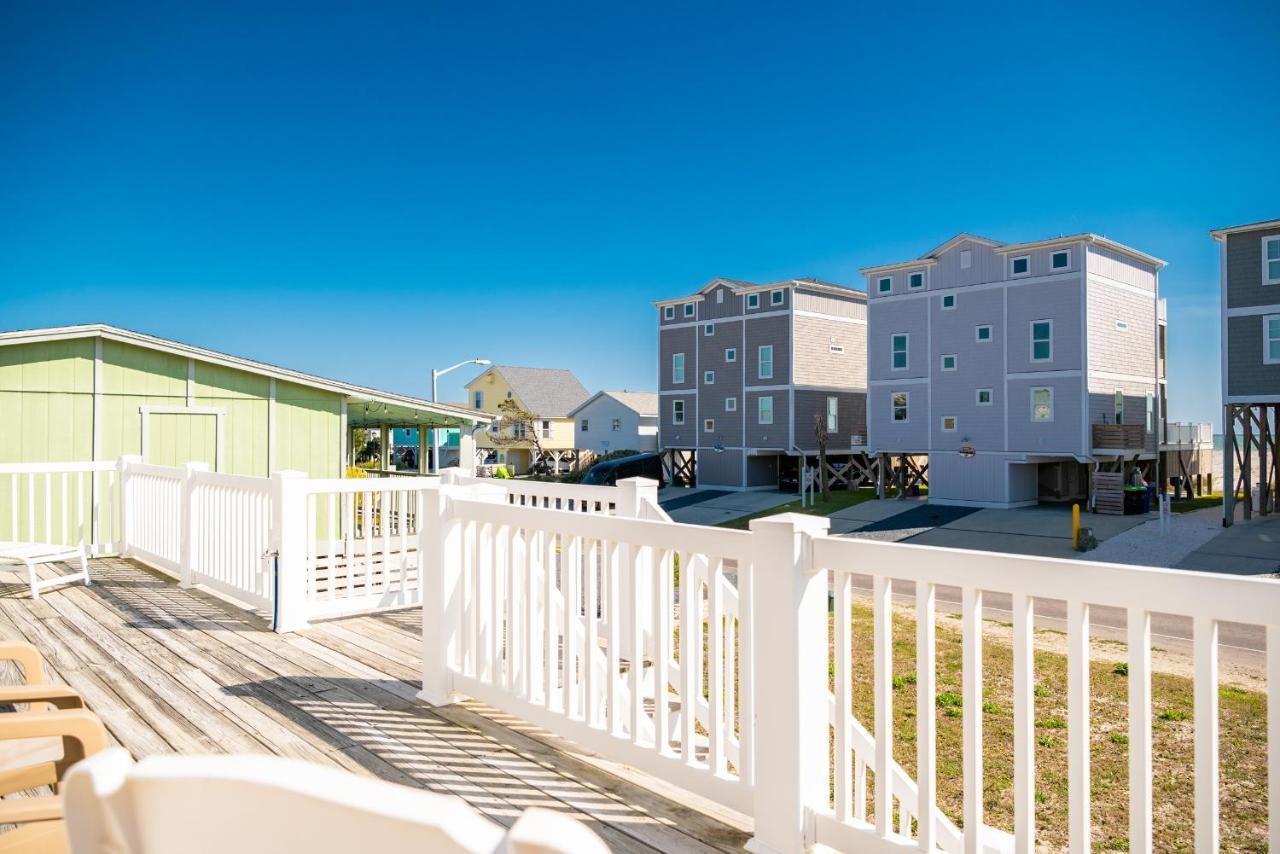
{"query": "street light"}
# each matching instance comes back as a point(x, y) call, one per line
point(435, 376)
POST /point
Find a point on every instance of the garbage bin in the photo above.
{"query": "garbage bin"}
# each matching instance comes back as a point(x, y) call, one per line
point(1150, 499)
point(1134, 496)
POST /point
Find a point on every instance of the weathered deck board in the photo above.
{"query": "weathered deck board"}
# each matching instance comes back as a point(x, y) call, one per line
point(172, 670)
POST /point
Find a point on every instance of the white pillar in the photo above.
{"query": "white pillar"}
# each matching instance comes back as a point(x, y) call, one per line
point(791, 745)
point(466, 451)
point(190, 519)
point(384, 443)
point(126, 510)
point(423, 459)
point(289, 545)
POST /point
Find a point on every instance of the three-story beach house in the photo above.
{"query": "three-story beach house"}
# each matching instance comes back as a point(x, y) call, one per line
point(1250, 284)
point(746, 373)
point(1016, 367)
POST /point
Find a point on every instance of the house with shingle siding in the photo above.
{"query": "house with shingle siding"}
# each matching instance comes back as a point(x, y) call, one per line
point(611, 421)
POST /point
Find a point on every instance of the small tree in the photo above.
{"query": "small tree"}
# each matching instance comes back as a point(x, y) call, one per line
point(518, 427)
point(820, 433)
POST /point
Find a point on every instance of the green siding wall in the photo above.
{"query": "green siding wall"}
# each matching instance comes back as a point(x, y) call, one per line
point(308, 430)
point(244, 397)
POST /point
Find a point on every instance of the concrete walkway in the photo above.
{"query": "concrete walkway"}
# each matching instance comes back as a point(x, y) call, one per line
point(1246, 548)
point(723, 506)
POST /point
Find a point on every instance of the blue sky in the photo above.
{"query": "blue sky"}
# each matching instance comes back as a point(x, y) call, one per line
point(369, 192)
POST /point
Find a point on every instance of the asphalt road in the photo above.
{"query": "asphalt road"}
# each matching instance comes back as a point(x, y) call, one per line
point(1236, 641)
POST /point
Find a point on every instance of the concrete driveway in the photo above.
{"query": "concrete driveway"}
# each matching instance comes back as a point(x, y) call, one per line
point(719, 506)
point(1246, 548)
point(1044, 531)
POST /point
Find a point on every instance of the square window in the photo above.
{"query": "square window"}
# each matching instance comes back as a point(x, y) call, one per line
point(775, 297)
point(949, 362)
point(966, 259)
point(709, 377)
point(915, 280)
point(885, 285)
point(688, 309)
point(982, 333)
point(1041, 404)
point(1271, 260)
point(708, 329)
point(900, 352)
point(948, 302)
point(983, 397)
point(730, 354)
point(899, 399)
point(764, 409)
point(948, 424)
point(669, 312)
point(1041, 340)
point(1020, 266)
point(1060, 260)
point(677, 412)
point(765, 367)
point(753, 300)
point(730, 404)
point(709, 425)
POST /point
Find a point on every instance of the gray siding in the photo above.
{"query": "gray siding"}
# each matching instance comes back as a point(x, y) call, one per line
point(773, 331)
point(719, 468)
point(1056, 301)
point(1247, 376)
point(891, 318)
point(1244, 270)
point(775, 435)
point(1131, 352)
point(1042, 260)
point(679, 314)
point(817, 365)
point(719, 302)
point(762, 471)
point(1121, 268)
point(1102, 401)
point(977, 479)
point(670, 342)
point(1063, 435)
point(885, 434)
point(851, 418)
point(678, 436)
point(985, 266)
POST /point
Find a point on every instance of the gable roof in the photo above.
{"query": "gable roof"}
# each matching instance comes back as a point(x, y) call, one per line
point(738, 286)
point(931, 257)
point(545, 392)
point(643, 403)
point(165, 345)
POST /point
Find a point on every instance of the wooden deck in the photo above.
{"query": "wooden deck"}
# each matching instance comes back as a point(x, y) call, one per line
point(172, 670)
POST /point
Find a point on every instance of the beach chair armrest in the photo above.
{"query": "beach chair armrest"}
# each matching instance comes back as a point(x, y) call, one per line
point(27, 657)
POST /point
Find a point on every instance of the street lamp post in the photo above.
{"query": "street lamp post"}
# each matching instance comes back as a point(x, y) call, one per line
point(435, 376)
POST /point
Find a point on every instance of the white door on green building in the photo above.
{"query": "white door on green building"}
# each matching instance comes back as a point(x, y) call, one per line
point(171, 438)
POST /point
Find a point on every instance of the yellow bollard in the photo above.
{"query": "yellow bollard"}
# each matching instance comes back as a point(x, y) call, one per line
point(1075, 526)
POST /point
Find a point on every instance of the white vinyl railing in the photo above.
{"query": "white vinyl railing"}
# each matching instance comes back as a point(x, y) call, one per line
point(229, 536)
point(545, 494)
point(153, 518)
point(75, 504)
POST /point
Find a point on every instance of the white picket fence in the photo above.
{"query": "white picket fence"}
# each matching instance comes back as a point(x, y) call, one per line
point(76, 504)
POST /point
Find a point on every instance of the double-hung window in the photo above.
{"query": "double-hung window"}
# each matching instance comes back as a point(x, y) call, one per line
point(677, 368)
point(1042, 340)
point(764, 409)
point(1271, 260)
point(546, 429)
point(478, 403)
point(900, 399)
point(1271, 339)
point(1042, 404)
point(899, 353)
point(765, 368)
point(617, 425)
point(677, 412)
point(833, 414)
point(1151, 412)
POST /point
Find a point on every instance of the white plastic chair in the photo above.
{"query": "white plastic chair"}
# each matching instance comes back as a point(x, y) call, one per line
point(267, 805)
point(32, 555)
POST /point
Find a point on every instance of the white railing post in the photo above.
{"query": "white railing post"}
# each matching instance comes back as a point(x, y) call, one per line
point(126, 511)
point(187, 513)
point(451, 476)
point(288, 547)
point(466, 451)
point(791, 678)
point(633, 493)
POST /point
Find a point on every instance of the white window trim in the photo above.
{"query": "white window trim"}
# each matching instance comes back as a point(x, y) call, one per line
point(1012, 259)
point(906, 407)
point(731, 354)
point(708, 377)
point(880, 284)
point(760, 374)
point(708, 425)
point(760, 412)
point(1053, 254)
point(708, 329)
point(942, 424)
point(1266, 344)
point(1032, 412)
point(906, 350)
point(977, 397)
point(720, 295)
point(688, 309)
point(669, 312)
point(677, 412)
point(753, 301)
point(977, 336)
point(730, 404)
point(911, 276)
point(833, 414)
point(776, 298)
point(1031, 353)
point(942, 362)
point(1266, 244)
point(943, 302)
point(677, 357)
point(219, 416)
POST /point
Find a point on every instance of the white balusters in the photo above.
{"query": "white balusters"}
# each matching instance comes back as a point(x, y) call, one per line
point(1079, 823)
point(1140, 804)
point(1206, 733)
point(971, 606)
point(926, 722)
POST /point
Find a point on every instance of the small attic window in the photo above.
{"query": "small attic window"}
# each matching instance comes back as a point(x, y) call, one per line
point(753, 300)
point(669, 312)
point(915, 280)
point(720, 295)
point(966, 259)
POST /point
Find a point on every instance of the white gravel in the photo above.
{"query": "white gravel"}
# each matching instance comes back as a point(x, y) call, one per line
point(1147, 545)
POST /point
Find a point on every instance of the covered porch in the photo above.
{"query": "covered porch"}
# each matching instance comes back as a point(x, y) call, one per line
point(372, 423)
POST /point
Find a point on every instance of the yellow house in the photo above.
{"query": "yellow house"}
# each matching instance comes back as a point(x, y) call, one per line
point(550, 395)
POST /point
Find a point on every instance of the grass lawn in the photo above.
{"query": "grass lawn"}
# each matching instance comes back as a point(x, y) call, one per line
point(1242, 743)
point(840, 499)
point(1185, 505)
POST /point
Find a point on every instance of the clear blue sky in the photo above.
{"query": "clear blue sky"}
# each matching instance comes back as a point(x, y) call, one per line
point(366, 193)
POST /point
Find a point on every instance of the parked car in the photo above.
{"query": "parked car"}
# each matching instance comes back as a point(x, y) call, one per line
point(609, 472)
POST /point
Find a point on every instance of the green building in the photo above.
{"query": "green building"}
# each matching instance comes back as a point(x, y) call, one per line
point(80, 393)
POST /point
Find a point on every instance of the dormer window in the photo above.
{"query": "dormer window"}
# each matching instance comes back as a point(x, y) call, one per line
point(915, 280)
point(1020, 266)
point(688, 309)
point(753, 301)
point(669, 313)
point(775, 298)
point(1060, 260)
point(885, 285)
